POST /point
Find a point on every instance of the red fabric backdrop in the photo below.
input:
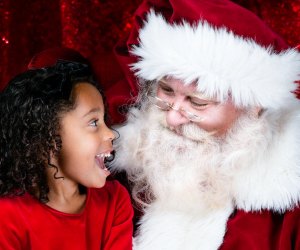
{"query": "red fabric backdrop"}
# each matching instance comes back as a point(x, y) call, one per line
point(94, 26)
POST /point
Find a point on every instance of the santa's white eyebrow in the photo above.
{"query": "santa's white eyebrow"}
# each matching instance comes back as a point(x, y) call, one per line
point(162, 80)
point(164, 83)
point(199, 96)
point(196, 94)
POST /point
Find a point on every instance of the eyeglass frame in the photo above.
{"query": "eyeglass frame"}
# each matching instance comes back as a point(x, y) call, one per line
point(190, 116)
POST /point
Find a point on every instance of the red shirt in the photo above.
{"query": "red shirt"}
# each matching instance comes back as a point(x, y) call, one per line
point(105, 223)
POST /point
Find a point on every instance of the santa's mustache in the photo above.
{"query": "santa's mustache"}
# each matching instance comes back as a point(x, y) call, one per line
point(189, 131)
point(193, 132)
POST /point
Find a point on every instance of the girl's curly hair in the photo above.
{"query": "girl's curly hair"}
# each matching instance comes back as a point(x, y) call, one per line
point(31, 107)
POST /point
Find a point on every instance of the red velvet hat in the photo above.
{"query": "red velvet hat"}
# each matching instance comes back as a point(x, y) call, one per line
point(218, 44)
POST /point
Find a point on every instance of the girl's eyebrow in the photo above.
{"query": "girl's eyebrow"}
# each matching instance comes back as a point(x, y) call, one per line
point(93, 111)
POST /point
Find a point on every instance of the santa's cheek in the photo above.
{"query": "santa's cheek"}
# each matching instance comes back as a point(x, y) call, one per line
point(207, 123)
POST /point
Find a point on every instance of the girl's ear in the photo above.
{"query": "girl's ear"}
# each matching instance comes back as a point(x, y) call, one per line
point(53, 157)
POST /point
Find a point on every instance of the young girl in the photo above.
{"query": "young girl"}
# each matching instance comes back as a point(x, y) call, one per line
point(53, 147)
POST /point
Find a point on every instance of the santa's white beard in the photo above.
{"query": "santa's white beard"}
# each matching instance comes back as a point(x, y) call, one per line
point(195, 181)
point(195, 167)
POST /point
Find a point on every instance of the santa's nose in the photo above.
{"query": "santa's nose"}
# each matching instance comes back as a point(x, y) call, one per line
point(175, 117)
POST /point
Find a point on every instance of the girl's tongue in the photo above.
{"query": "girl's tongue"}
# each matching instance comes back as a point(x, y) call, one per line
point(100, 162)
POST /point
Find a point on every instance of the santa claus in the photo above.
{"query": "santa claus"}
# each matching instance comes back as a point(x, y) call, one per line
point(212, 148)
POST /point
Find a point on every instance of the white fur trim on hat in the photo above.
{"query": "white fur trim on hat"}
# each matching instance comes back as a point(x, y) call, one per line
point(220, 62)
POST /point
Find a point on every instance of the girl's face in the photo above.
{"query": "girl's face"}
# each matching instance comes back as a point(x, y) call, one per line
point(85, 139)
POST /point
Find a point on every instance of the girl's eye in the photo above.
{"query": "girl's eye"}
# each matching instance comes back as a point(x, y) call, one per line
point(94, 123)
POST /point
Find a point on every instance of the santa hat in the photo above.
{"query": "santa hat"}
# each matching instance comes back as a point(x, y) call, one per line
point(224, 48)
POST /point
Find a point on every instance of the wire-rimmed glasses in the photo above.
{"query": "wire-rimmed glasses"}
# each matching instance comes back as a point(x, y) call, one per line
point(166, 106)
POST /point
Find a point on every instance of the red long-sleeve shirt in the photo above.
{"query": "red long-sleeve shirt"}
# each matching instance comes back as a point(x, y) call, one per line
point(105, 223)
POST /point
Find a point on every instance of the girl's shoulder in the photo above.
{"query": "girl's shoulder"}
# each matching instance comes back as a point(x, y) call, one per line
point(16, 202)
point(16, 208)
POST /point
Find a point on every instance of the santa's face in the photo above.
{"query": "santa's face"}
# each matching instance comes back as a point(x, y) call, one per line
point(170, 155)
point(185, 102)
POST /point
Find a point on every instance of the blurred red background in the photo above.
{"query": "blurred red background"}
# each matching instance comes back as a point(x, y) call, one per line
point(93, 27)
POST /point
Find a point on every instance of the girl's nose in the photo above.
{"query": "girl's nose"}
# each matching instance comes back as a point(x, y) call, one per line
point(109, 134)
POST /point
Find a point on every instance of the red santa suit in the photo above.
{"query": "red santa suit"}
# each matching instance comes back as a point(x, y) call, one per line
point(245, 193)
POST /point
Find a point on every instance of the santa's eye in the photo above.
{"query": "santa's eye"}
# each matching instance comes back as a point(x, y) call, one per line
point(165, 89)
point(200, 103)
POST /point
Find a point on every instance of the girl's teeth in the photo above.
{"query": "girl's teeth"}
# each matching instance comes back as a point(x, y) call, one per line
point(104, 155)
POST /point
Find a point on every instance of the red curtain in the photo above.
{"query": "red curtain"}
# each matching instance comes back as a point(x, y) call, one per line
point(94, 26)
